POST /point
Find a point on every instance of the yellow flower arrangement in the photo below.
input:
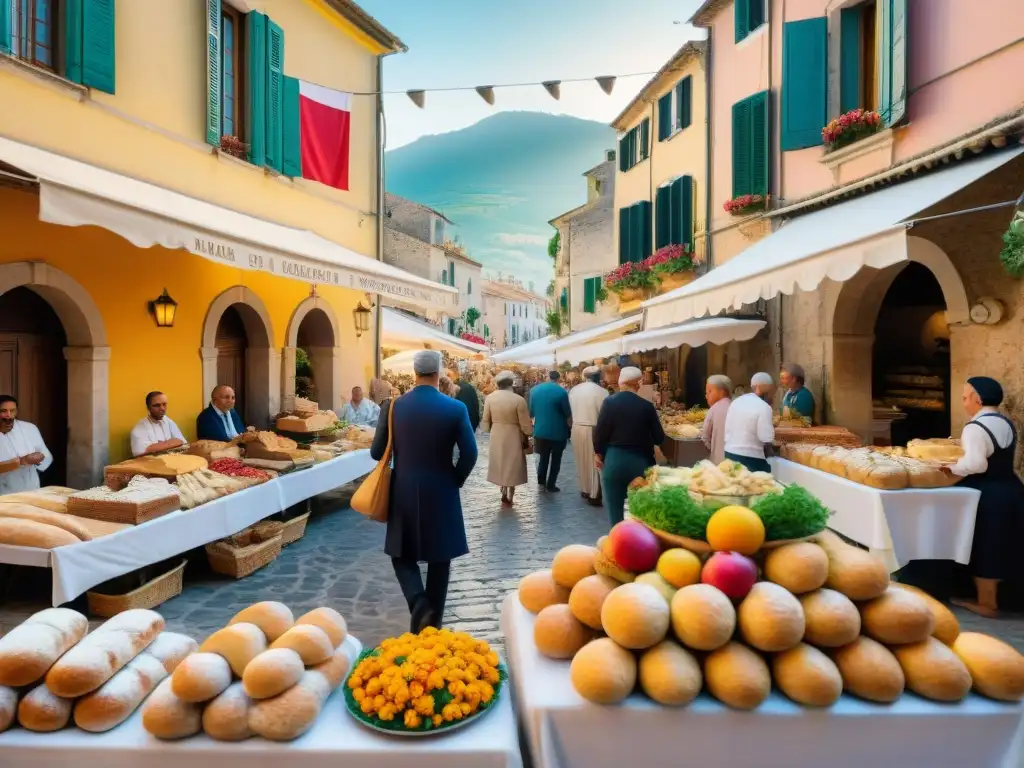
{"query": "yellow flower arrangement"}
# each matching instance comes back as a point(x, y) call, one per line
point(424, 681)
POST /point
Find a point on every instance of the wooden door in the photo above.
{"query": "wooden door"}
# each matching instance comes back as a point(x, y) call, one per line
point(232, 344)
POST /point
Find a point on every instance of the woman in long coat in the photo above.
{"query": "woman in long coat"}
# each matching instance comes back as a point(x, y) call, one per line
point(507, 418)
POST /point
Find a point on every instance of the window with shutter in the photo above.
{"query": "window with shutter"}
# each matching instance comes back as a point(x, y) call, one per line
point(256, 104)
point(645, 138)
point(275, 95)
point(589, 296)
point(750, 155)
point(623, 153)
point(666, 117)
point(640, 226)
point(682, 211)
point(564, 300)
point(98, 44)
point(684, 102)
point(804, 82)
point(750, 14)
point(28, 30)
point(487, 331)
point(291, 160)
point(624, 241)
point(892, 55)
point(6, 32)
point(662, 217)
point(850, 96)
point(451, 273)
point(741, 148)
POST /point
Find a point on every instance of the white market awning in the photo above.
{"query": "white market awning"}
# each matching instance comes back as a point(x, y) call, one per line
point(75, 194)
point(834, 243)
point(543, 351)
point(403, 332)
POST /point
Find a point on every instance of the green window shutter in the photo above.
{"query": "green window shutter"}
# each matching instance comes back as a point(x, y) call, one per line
point(849, 58)
point(662, 217)
point(759, 149)
point(72, 37)
point(98, 44)
point(275, 95)
point(451, 273)
point(291, 163)
point(487, 331)
point(684, 102)
point(645, 138)
point(589, 296)
point(741, 159)
point(5, 26)
point(623, 153)
point(624, 239)
point(213, 71)
point(645, 240)
point(755, 14)
point(256, 104)
point(564, 300)
point(892, 55)
point(682, 208)
point(469, 285)
point(636, 233)
point(804, 82)
point(741, 8)
point(665, 116)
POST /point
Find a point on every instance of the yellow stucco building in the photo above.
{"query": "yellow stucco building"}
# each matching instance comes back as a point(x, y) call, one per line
point(116, 183)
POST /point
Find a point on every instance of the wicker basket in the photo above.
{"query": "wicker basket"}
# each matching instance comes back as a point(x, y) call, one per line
point(239, 562)
point(149, 595)
point(294, 529)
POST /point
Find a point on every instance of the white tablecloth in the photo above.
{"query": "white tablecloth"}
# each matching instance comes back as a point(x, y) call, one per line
point(565, 731)
point(336, 739)
point(900, 526)
point(79, 567)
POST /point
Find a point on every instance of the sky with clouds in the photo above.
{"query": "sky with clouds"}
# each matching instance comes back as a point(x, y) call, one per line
point(456, 43)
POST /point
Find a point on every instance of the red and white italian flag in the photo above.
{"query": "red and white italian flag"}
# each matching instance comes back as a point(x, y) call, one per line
point(325, 125)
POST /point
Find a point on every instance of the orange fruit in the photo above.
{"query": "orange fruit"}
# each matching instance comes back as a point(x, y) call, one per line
point(735, 529)
point(679, 567)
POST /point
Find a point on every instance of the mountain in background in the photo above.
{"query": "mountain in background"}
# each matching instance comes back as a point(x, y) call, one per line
point(501, 180)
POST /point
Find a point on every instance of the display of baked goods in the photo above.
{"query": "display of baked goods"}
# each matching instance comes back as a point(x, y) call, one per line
point(206, 485)
point(270, 465)
point(264, 674)
point(886, 469)
point(53, 674)
point(425, 683)
point(820, 435)
point(358, 436)
point(814, 619)
point(936, 449)
point(168, 466)
point(53, 498)
point(682, 423)
point(238, 468)
point(141, 499)
point(27, 525)
point(315, 422)
point(299, 406)
point(212, 450)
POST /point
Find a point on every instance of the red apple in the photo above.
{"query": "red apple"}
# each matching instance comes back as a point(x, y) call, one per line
point(634, 547)
point(732, 573)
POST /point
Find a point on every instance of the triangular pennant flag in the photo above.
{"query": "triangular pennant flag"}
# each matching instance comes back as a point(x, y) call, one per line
point(419, 98)
point(554, 87)
point(486, 93)
point(606, 83)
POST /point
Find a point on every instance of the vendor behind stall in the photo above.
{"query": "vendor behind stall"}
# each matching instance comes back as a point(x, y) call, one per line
point(797, 400)
point(989, 440)
point(361, 411)
point(20, 442)
point(157, 432)
point(748, 425)
point(219, 420)
point(718, 393)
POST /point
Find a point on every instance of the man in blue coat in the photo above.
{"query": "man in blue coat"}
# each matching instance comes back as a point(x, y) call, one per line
point(425, 512)
point(219, 420)
point(552, 417)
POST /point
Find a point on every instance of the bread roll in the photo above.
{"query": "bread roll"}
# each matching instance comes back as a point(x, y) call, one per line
point(226, 718)
point(238, 644)
point(200, 677)
point(933, 670)
point(166, 716)
point(807, 676)
point(947, 627)
point(31, 648)
point(330, 621)
point(309, 641)
point(40, 710)
point(335, 669)
point(870, 671)
point(831, 620)
point(273, 618)
point(272, 672)
point(996, 668)
point(8, 707)
point(114, 701)
point(29, 533)
point(103, 652)
point(897, 617)
point(61, 520)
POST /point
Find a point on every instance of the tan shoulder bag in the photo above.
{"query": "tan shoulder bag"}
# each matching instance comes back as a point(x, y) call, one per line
point(374, 494)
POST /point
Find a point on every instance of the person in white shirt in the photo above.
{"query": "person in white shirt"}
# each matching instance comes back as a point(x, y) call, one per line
point(361, 411)
point(585, 401)
point(989, 441)
point(748, 425)
point(22, 442)
point(157, 432)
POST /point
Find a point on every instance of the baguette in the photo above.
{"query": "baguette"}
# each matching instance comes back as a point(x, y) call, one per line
point(226, 718)
point(200, 677)
point(41, 710)
point(238, 644)
point(103, 652)
point(29, 533)
point(166, 716)
point(272, 617)
point(8, 706)
point(62, 520)
point(121, 695)
point(32, 647)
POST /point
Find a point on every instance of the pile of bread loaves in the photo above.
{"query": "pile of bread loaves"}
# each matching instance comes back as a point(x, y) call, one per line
point(52, 668)
point(265, 674)
point(876, 469)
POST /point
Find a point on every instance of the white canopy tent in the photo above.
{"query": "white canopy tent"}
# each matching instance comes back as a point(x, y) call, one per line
point(834, 243)
point(402, 332)
point(543, 351)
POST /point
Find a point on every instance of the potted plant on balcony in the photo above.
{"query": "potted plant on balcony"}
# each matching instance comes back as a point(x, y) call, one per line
point(631, 281)
point(234, 146)
point(745, 205)
point(855, 125)
point(672, 266)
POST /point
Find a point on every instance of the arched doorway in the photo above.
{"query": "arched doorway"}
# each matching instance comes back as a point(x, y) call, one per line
point(33, 370)
point(238, 350)
point(314, 329)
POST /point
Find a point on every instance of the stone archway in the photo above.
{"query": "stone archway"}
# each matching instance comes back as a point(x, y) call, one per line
point(88, 364)
point(263, 363)
point(851, 313)
point(314, 326)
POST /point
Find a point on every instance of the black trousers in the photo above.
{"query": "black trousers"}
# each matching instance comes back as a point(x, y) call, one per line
point(411, 581)
point(549, 459)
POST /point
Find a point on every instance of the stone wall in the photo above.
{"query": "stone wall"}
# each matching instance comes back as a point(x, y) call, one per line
point(407, 217)
point(409, 253)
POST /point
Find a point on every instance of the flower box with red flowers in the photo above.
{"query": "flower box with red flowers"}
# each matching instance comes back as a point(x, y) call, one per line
point(473, 338)
point(669, 260)
point(631, 276)
point(745, 205)
point(846, 129)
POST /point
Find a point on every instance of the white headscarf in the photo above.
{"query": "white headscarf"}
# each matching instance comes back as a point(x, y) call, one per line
point(629, 374)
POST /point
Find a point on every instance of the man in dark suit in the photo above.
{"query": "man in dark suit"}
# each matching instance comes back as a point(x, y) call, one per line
point(549, 406)
point(425, 512)
point(468, 395)
point(219, 420)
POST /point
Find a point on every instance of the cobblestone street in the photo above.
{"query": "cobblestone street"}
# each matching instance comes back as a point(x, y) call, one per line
point(340, 562)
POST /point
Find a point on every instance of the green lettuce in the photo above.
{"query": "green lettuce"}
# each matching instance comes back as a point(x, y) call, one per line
point(792, 514)
point(670, 509)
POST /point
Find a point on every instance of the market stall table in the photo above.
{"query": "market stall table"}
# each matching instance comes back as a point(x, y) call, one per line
point(684, 451)
point(563, 730)
point(79, 567)
point(900, 526)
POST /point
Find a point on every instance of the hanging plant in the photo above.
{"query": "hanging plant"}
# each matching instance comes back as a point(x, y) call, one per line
point(1012, 254)
point(855, 125)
